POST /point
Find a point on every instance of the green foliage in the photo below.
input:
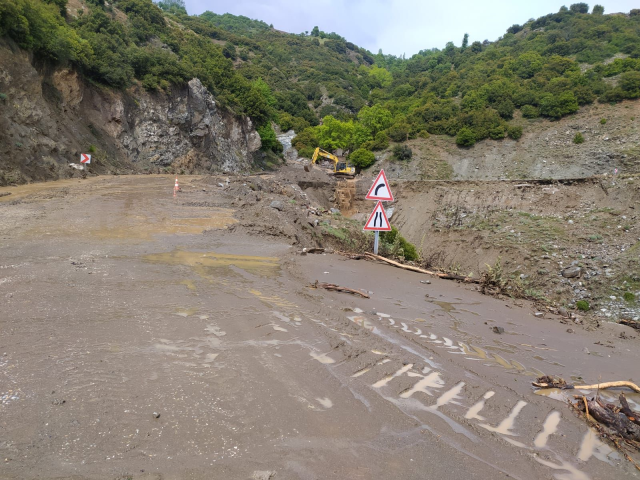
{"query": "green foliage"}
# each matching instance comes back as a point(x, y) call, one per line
point(579, 8)
point(598, 10)
point(629, 297)
point(583, 305)
point(578, 138)
point(373, 96)
point(362, 158)
point(465, 138)
point(529, 111)
point(603, 121)
point(402, 152)
point(514, 132)
point(3, 96)
point(269, 139)
point(306, 142)
point(397, 245)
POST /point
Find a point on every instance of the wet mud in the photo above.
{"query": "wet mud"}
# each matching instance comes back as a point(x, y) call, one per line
point(142, 338)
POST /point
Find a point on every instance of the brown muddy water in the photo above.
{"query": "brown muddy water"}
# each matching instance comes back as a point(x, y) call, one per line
point(142, 339)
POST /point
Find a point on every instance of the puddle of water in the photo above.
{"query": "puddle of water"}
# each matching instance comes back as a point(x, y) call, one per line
point(22, 191)
point(475, 410)
point(591, 446)
point(549, 428)
point(431, 381)
point(449, 396)
point(322, 358)
point(182, 312)
point(507, 424)
point(325, 402)
point(215, 330)
point(446, 306)
point(554, 393)
point(384, 381)
point(572, 473)
point(210, 357)
point(210, 264)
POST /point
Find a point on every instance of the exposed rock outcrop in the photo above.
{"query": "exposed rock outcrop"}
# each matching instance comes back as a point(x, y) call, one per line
point(47, 118)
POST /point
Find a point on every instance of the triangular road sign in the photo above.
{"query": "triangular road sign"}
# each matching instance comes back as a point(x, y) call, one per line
point(380, 189)
point(378, 220)
point(85, 158)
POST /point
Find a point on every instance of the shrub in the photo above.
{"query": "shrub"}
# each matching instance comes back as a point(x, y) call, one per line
point(529, 111)
point(498, 132)
point(514, 131)
point(578, 138)
point(362, 158)
point(579, 8)
point(402, 152)
point(583, 305)
point(629, 297)
point(603, 121)
point(92, 149)
point(465, 137)
point(397, 245)
point(3, 96)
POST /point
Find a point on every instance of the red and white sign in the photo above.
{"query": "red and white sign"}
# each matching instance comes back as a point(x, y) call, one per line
point(85, 158)
point(380, 189)
point(378, 220)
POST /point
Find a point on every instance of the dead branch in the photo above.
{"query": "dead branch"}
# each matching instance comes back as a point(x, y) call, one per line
point(630, 323)
point(557, 382)
point(631, 415)
point(603, 433)
point(337, 288)
point(446, 276)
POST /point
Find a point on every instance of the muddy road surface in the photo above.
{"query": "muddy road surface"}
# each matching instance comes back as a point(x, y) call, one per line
point(144, 337)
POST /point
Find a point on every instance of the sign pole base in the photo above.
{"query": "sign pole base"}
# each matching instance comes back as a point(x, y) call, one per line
point(375, 243)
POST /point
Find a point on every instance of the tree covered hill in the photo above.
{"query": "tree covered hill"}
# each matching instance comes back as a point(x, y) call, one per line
point(546, 67)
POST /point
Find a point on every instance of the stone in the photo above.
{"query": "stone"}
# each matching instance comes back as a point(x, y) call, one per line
point(571, 272)
point(538, 314)
point(563, 311)
point(498, 330)
point(277, 204)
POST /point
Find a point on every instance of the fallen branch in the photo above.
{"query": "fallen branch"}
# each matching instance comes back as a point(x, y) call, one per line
point(552, 382)
point(624, 408)
point(337, 288)
point(446, 276)
point(630, 323)
point(603, 434)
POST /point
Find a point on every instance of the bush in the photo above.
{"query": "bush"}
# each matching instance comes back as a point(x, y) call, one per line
point(579, 8)
point(397, 245)
point(402, 152)
point(603, 121)
point(465, 137)
point(583, 305)
point(515, 132)
point(529, 111)
point(578, 138)
point(629, 297)
point(362, 158)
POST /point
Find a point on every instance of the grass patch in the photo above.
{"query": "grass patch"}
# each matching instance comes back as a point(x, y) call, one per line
point(583, 305)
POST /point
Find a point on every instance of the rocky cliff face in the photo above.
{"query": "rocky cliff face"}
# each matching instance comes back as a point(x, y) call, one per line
point(47, 118)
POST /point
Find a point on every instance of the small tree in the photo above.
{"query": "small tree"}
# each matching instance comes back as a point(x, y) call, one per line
point(579, 7)
point(514, 131)
point(362, 158)
point(578, 138)
point(465, 137)
point(465, 41)
point(598, 10)
point(402, 152)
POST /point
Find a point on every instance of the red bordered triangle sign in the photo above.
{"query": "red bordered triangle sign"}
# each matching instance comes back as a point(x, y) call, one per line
point(378, 220)
point(380, 189)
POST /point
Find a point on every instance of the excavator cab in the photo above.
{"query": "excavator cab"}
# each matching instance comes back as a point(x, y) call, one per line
point(340, 167)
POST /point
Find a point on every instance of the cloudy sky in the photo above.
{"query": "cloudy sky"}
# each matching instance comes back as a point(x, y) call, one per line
point(397, 26)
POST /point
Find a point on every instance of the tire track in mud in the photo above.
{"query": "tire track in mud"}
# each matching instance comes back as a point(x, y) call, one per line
point(407, 365)
point(480, 419)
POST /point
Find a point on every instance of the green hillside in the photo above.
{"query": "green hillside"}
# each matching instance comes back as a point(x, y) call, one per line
point(546, 67)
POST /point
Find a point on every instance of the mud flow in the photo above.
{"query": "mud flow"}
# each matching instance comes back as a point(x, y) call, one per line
point(151, 336)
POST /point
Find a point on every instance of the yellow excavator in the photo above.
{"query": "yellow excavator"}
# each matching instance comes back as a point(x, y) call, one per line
point(340, 167)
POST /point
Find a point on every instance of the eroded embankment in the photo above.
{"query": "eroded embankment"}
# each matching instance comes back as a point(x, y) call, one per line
point(539, 229)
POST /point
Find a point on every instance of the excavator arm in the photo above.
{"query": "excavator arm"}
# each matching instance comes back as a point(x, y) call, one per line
point(339, 167)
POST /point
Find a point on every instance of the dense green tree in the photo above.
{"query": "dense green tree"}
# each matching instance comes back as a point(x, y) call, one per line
point(376, 118)
point(579, 8)
point(598, 10)
point(466, 137)
point(362, 159)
